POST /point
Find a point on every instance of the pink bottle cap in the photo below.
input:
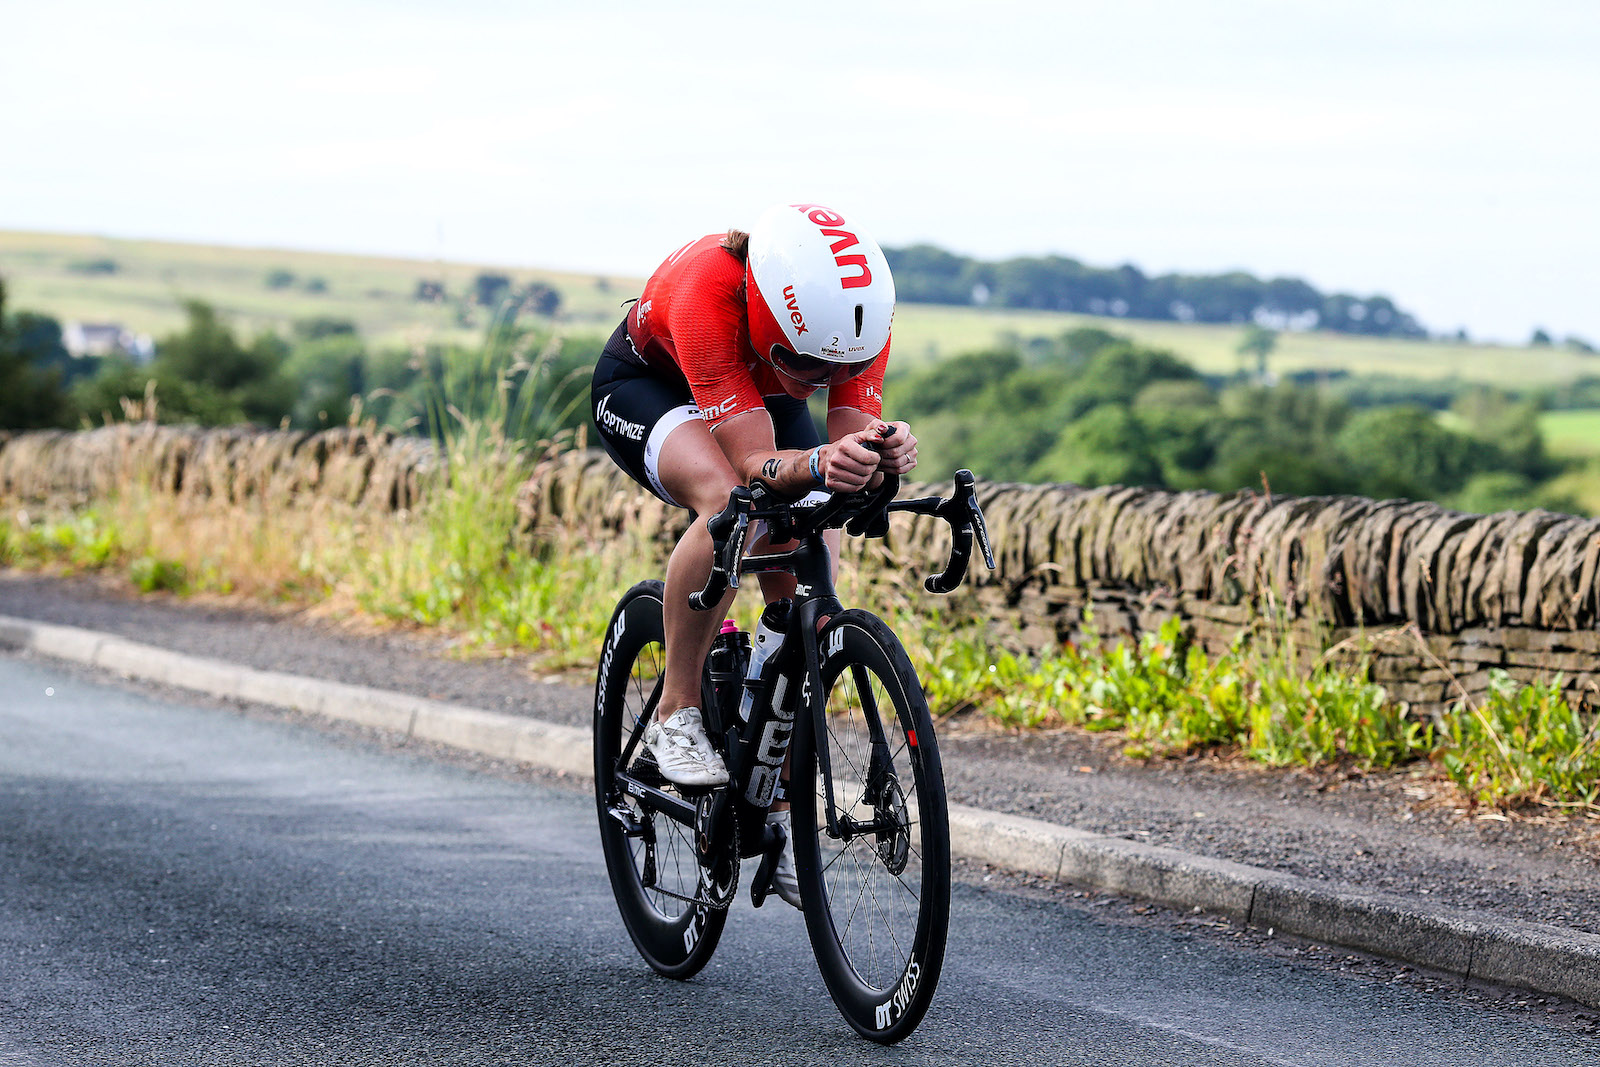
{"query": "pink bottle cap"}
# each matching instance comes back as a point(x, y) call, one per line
point(729, 626)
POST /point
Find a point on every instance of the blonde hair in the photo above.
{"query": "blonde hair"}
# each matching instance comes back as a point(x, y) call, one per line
point(738, 243)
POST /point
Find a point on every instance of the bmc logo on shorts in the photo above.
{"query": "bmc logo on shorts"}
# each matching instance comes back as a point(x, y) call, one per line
point(832, 226)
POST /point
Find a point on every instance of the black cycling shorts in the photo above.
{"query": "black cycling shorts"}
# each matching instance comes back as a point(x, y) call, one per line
point(636, 409)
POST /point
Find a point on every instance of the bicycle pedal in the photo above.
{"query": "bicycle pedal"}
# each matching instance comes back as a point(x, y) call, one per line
point(772, 841)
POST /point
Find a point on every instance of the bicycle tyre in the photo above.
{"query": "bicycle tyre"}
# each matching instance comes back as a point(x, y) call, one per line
point(877, 905)
point(675, 937)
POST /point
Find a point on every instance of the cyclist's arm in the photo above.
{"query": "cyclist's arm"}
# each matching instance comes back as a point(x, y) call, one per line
point(845, 464)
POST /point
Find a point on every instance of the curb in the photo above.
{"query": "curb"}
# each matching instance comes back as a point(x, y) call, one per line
point(1472, 945)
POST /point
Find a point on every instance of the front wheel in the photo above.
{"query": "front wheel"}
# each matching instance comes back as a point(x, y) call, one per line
point(872, 839)
point(655, 875)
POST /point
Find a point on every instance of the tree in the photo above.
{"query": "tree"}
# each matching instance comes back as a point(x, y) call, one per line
point(1084, 341)
point(1258, 341)
point(1540, 339)
point(539, 298)
point(31, 371)
point(1509, 425)
point(329, 372)
point(320, 326)
point(1404, 452)
point(488, 289)
point(1108, 446)
point(1116, 373)
point(952, 383)
point(202, 374)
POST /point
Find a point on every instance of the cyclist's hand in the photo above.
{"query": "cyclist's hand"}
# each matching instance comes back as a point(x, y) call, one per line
point(898, 453)
point(850, 462)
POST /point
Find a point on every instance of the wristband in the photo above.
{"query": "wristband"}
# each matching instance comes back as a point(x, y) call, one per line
point(816, 469)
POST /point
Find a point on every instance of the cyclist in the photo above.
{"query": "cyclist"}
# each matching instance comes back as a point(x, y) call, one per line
point(703, 387)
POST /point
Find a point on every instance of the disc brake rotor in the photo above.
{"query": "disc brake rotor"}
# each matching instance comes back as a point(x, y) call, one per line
point(894, 839)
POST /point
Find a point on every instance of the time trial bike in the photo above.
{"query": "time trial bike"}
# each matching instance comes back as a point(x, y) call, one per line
point(872, 847)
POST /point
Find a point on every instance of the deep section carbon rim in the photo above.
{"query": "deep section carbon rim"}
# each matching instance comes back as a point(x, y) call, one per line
point(878, 883)
point(649, 856)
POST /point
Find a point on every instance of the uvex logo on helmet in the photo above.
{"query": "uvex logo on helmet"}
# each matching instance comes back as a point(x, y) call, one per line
point(832, 225)
point(793, 305)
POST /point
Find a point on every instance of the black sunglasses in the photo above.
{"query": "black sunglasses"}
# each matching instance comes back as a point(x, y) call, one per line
point(813, 371)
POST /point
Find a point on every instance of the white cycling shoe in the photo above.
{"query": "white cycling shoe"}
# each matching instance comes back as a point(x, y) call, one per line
point(682, 750)
point(784, 882)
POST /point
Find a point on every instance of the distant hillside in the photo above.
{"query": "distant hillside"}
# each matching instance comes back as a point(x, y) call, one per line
point(142, 285)
point(928, 275)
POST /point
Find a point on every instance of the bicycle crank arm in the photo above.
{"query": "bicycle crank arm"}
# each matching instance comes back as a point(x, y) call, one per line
point(675, 808)
point(772, 842)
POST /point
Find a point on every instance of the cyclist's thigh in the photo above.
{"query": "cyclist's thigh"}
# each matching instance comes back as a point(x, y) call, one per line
point(635, 412)
point(693, 469)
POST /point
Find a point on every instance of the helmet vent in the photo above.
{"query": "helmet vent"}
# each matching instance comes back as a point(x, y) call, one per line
point(860, 315)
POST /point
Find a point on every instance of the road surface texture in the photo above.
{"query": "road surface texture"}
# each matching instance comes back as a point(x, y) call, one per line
point(1394, 833)
point(184, 882)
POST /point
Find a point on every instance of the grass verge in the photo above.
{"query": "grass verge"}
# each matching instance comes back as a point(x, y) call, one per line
point(453, 564)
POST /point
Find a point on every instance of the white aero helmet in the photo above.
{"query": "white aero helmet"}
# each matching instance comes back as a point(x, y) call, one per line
point(820, 294)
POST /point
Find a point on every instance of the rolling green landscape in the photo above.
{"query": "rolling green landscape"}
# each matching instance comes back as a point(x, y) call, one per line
point(309, 339)
point(54, 274)
point(143, 286)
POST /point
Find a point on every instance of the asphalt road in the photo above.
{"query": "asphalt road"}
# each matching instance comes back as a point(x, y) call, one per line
point(182, 883)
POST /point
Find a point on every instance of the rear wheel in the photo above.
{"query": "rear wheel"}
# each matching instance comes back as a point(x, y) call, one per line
point(655, 875)
point(876, 886)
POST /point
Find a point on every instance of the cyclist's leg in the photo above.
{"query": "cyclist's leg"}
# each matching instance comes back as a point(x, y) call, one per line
point(652, 430)
point(694, 471)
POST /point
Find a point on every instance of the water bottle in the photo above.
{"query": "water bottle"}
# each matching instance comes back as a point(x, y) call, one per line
point(766, 758)
point(768, 639)
point(726, 667)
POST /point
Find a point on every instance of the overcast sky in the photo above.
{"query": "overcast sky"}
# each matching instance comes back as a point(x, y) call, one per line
point(1445, 152)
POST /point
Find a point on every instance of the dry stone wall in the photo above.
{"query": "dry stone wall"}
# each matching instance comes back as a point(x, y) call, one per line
point(1435, 598)
point(353, 465)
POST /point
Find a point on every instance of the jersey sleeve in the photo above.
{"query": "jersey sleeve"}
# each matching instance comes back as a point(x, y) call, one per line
point(710, 335)
point(865, 392)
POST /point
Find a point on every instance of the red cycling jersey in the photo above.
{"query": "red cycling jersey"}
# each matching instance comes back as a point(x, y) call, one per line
point(690, 322)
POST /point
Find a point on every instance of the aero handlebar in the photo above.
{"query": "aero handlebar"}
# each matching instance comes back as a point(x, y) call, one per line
point(862, 514)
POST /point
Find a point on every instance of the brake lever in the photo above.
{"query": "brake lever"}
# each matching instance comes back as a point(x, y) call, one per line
point(965, 517)
point(728, 529)
point(980, 527)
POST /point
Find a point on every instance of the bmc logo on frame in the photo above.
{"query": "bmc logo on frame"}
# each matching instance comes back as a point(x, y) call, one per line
point(832, 225)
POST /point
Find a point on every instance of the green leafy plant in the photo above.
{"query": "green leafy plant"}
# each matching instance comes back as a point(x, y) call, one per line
point(1524, 744)
point(150, 574)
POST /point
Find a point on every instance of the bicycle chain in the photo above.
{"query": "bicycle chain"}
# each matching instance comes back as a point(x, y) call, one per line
point(709, 893)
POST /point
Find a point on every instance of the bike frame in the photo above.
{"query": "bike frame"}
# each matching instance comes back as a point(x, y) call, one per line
point(799, 667)
point(800, 689)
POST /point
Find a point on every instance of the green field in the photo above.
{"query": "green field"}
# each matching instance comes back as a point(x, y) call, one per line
point(1571, 434)
point(924, 331)
point(153, 278)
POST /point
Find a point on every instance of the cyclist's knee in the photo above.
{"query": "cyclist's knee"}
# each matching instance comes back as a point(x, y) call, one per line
point(696, 473)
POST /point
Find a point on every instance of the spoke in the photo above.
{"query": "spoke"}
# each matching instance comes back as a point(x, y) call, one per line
point(888, 927)
point(837, 856)
point(854, 908)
